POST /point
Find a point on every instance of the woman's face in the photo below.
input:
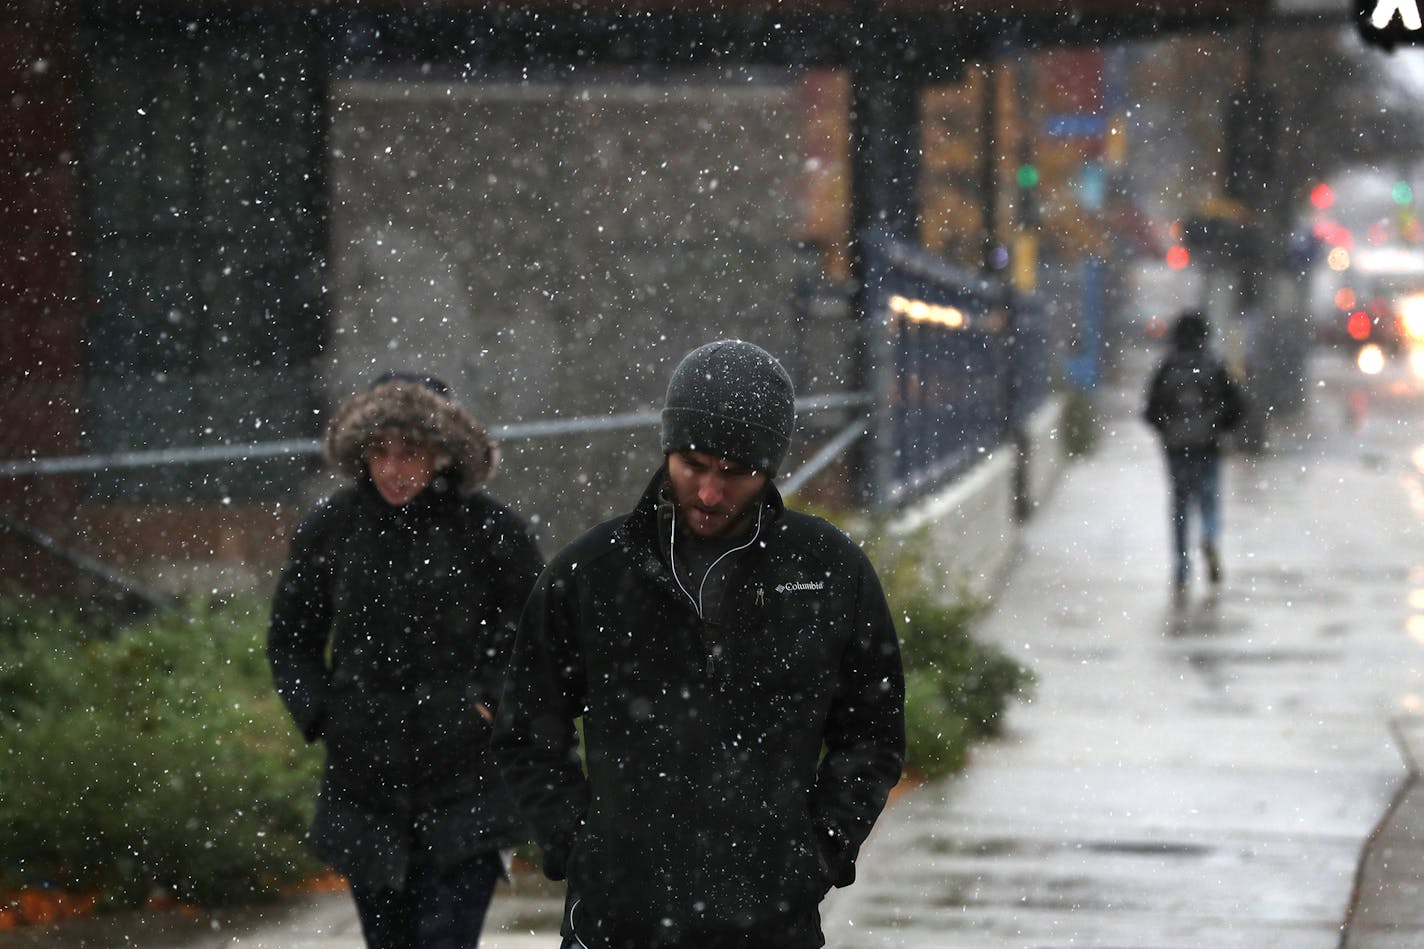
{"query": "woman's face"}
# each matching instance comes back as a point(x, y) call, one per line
point(401, 468)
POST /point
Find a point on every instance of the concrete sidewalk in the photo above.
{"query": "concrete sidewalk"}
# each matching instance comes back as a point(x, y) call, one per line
point(1206, 776)
point(1213, 776)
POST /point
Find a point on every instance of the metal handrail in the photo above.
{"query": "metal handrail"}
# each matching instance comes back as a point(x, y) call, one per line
point(828, 453)
point(543, 428)
point(306, 446)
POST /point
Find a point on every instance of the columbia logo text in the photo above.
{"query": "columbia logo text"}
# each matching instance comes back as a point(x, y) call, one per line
point(803, 585)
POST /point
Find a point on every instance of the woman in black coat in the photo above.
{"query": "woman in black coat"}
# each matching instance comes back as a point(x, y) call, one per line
point(391, 626)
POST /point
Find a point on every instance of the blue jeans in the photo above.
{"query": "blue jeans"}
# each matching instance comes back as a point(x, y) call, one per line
point(1196, 481)
point(438, 909)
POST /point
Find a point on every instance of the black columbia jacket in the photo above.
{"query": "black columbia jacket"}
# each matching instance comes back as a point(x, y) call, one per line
point(708, 815)
point(388, 626)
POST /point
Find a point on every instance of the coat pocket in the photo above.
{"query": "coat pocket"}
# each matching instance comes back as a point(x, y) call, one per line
point(367, 754)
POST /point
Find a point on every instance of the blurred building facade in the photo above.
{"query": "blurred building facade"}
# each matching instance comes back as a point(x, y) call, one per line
point(223, 217)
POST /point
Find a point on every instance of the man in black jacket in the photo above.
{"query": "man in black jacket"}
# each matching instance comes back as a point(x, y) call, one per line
point(391, 624)
point(713, 644)
point(1192, 402)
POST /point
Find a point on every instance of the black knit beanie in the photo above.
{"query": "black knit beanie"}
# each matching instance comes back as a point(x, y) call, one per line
point(731, 399)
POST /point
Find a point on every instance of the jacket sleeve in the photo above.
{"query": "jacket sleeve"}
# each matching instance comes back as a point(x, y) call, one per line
point(300, 625)
point(516, 563)
point(1233, 402)
point(1154, 411)
point(865, 734)
point(535, 744)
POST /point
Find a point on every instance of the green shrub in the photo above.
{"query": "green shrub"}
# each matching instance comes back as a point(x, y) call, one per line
point(956, 687)
point(936, 739)
point(158, 756)
point(1081, 428)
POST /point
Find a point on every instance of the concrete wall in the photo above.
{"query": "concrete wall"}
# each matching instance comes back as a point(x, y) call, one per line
point(552, 248)
point(1046, 451)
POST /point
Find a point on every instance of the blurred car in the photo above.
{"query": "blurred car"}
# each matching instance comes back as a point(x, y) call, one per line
point(1389, 318)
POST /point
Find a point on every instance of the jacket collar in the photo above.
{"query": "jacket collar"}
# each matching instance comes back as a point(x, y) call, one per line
point(641, 530)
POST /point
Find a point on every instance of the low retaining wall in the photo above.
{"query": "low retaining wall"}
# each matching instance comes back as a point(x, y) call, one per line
point(972, 526)
point(1045, 451)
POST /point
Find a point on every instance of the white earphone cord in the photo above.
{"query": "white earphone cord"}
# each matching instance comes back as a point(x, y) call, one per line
point(672, 560)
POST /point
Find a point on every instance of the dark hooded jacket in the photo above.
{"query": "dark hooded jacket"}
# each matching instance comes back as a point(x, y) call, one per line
point(1192, 401)
point(708, 817)
point(388, 626)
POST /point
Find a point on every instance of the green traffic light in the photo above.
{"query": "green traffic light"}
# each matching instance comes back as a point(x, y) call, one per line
point(1027, 176)
point(1402, 193)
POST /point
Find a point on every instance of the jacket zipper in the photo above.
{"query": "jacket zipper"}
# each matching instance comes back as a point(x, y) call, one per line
point(709, 661)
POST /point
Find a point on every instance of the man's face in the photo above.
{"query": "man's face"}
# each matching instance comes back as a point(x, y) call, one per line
point(714, 496)
point(401, 468)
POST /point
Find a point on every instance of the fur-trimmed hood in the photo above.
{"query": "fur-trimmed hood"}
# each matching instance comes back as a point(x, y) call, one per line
point(419, 414)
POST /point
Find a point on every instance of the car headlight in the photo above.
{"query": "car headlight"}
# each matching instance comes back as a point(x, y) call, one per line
point(1411, 316)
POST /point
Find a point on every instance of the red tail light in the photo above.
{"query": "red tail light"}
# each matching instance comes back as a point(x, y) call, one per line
point(1358, 325)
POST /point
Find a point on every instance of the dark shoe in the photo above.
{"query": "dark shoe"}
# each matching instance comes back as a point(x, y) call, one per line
point(1213, 564)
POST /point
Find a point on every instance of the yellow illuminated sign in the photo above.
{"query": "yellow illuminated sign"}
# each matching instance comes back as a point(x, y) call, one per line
point(918, 311)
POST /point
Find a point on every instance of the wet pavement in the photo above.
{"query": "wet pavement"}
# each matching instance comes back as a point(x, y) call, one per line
point(1206, 776)
point(1234, 772)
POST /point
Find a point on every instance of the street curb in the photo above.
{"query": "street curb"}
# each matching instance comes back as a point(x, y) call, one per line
point(1408, 732)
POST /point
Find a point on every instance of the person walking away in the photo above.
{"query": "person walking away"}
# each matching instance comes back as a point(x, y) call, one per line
point(391, 626)
point(713, 643)
point(1192, 402)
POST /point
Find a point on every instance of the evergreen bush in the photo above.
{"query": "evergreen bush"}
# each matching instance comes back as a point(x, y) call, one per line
point(152, 756)
point(957, 688)
point(1080, 424)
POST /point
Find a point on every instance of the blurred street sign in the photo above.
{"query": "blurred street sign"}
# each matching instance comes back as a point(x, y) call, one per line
point(1084, 125)
point(1389, 23)
point(1092, 186)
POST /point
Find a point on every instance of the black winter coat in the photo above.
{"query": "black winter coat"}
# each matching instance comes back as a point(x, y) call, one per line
point(1192, 402)
point(416, 608)
point(708, 817)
